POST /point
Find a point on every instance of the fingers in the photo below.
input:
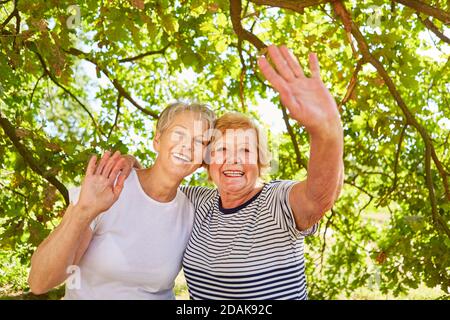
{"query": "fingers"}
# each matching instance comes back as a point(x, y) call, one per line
point(115, 172)
point(121, 179)
point(271, 75)
point(314, 65)
point(110, 164)
point(287, 66)
point(282, 66)
point(292, 61)
point(124, 167)
point(103, 162)
point(91, 166)
point(117, 190)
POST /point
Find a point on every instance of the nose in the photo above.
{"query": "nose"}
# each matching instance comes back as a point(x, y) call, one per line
point(186, 144)
point(233, 157)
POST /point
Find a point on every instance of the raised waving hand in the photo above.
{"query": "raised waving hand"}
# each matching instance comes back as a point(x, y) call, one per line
point(99, 189)
point(307, 98)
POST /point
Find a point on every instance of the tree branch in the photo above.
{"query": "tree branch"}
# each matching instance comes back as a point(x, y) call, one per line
point(342, 12)
point(116, 84)
point(67, 91)
point(352, 84)
point(354, 185)
point(235, 13)
point(143, 55)
point(300, 161)
point(346, 234)
point(14, 13)
point(432, 27)
point(18, 19)
point(437, 218)
point(34, 88)
point(242, 76)
point(325, 239)
point(14, 191)
point(118, 104)
point(9, 130)
point(297, 6)
point(396, 161)
point(427, 9)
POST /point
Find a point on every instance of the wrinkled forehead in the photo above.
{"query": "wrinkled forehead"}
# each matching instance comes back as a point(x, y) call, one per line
point(236, 136)
point(189, 122)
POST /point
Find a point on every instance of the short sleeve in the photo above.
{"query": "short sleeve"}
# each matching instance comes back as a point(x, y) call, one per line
point(281, 208)
point(74, 195)
point(197, 195)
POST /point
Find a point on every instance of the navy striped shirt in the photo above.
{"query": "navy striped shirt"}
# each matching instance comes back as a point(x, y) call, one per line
point(253, 251)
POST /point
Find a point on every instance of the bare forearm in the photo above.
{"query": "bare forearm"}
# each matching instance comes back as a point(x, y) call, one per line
point(325, 167)
point(51, 259)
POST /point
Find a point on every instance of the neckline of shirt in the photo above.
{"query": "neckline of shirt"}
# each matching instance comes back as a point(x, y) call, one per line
point(228, 211)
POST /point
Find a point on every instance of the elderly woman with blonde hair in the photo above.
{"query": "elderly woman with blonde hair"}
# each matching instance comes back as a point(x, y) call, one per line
point(126, 239)
point(247, 238)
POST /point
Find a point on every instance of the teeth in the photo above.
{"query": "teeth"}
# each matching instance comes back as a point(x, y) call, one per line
point(181, 157)
point(233, 173)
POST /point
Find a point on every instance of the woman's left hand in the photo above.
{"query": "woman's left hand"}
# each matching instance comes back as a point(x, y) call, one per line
point(307, 99)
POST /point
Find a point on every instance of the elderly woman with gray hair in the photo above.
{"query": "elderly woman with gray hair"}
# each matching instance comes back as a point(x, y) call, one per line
point(247, 238)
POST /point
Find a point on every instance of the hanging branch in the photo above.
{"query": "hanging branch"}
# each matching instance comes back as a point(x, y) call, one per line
point(14, 13)
point(352, 84)
point(235, 13)
point(115, 82)
point(118, 105)
point(73, 96)
point(427, 9)
point(301, 162)
point(396, 161)
point(145, 54)
point(242, 76)
point(34, 88)
point(432, 27)
point(322, 251)
point(430, 152)
point(10, 132)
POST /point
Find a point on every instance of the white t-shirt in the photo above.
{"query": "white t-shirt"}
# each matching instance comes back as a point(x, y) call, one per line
point(136, 249)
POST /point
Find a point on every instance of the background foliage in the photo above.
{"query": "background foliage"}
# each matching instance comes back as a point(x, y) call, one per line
point(75, 84)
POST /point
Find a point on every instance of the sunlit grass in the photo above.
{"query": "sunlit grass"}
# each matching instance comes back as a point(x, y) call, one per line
point(421, 293)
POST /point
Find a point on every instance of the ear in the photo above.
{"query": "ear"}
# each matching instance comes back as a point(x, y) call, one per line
point(156, 141)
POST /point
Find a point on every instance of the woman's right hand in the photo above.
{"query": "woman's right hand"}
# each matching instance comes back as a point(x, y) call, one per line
point(98, 192)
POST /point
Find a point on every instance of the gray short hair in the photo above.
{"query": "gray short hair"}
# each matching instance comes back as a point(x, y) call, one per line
point(173, 109)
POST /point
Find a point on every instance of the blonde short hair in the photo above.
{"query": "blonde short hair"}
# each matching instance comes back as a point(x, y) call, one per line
point(236, 120)
point(167, 115)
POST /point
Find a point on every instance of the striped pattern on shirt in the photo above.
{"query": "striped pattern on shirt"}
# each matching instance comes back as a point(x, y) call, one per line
point(251, 252)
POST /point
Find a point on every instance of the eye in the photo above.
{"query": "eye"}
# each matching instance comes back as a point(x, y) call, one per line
point(179, 133)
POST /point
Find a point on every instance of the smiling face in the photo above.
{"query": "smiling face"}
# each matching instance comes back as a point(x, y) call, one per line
point(182, 144)
point(234, 161)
